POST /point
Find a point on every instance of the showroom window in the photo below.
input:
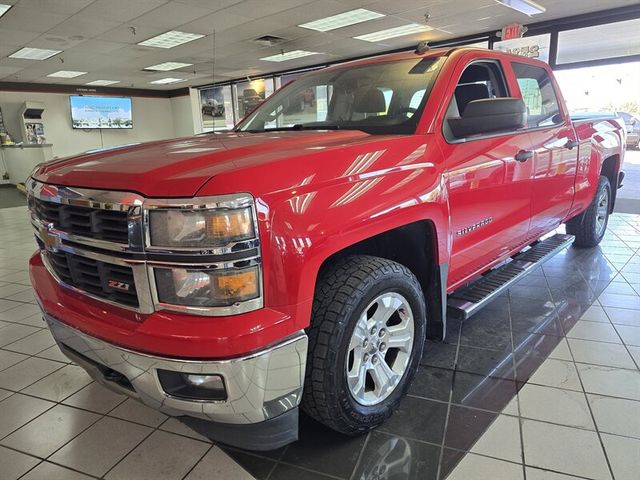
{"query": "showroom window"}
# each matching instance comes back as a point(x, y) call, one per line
point(538, 95)
point(216, 106)
point(251, 94)
point(536, 46)
point(620, 39)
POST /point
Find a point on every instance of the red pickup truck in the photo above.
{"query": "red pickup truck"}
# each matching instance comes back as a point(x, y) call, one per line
point(302, 259)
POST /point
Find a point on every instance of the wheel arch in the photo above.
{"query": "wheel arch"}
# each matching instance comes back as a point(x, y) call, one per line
point(414, 245)
point(610, 168)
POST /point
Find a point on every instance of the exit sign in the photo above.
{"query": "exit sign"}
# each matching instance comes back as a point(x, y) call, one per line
point(515, 30)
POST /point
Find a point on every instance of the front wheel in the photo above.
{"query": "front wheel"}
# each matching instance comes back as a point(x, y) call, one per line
point(365, 342)
point(589, 227)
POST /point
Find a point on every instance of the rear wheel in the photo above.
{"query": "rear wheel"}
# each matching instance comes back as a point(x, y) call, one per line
point(589, 228)
point(365, 342)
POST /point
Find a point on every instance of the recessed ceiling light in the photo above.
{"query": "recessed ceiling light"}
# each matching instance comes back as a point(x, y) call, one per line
point(283, 57)
point(170, 39)
point(4, 8)
point(345, 19)
point(66, 74)
point(528, 7)
point(102, 83)
point(394, 32)
point(34, 53)
point(165, 67)
point(164, 81)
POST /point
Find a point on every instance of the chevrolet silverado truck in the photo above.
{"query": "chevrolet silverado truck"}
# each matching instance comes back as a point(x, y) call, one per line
point(301, 260)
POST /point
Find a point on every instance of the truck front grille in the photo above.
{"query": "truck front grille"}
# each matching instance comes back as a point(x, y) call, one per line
point(104, 280)
point(107, 225)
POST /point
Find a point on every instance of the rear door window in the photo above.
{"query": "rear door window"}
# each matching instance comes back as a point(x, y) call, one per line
point(538, 94)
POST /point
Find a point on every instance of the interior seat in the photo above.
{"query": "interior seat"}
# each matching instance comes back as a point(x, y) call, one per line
point(469, 92)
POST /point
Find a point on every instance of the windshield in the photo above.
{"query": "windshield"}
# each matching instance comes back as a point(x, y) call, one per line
point(382, 98)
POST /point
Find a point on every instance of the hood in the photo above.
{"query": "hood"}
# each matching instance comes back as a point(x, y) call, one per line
point(180, 167)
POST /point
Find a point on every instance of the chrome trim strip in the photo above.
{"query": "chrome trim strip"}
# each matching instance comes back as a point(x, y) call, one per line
point(253, 382)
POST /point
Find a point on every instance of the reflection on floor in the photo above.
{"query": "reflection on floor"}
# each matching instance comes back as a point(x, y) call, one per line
point(544, 381)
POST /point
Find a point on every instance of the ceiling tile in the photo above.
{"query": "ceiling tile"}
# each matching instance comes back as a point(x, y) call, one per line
point(121, 10)
point(31, 20)
point(16, 37)
point(62, 7)
point(83, 25)
point(171, 15)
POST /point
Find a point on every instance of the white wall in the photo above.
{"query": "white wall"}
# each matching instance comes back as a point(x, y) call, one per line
point(153, 119)
point(187, 117)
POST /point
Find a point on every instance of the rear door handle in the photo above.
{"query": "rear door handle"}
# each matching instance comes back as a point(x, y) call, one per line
point(524, 155)
point(571, 144)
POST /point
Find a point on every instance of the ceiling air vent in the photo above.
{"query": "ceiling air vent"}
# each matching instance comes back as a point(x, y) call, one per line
point(269, 40)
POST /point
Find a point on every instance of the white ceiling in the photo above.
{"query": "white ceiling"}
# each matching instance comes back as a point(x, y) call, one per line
point(97, 36)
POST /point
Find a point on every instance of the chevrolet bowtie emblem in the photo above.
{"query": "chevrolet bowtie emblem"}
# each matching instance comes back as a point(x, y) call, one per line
point(50, 241)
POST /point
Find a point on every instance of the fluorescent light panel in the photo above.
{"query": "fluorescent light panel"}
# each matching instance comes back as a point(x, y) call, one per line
point(283, 57)
point(170, 39)
point(34, 53)
point(166, 66)
point(528, 7)
point(345, 19)
point(380, 35)
point(4, 8)
point(66, 74)
point(102, 83)
point(164, 81)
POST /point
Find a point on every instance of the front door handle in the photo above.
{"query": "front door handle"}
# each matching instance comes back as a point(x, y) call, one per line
point(524, 155)
point(571, 144)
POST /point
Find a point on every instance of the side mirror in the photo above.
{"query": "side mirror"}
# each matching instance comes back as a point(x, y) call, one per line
point(490, 115)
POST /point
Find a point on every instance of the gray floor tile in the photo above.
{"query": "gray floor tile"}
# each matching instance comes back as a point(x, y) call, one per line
point(217, 464)
point(19, 409)
point(635, 353)
point(614, 382)
point(174, 425)
point(557, 373)
point(101, 446)
point(564, 449)
point(600, 353)
point(12, 332)
point(630, 335)
point(621, 316)
point(595, 314)
point(19, 312)
point(621, 301)
point(476, 466)
point(624, 456)
point(501, 440)
point(537, 474)
point(27, 372)
point(50, 431)
point(14, 464)
point(96, 398)
point(596, 331)
point(54, 353)
point(161, 456)
point(135, 411)
point(10, 358)
point(60, 384)
point(11, 289)
point(4, 394)
point(616, 415)
point(555, 405)
point(49, 471)
point(33, 344)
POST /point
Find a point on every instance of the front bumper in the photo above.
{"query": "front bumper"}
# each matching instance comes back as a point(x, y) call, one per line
point(260, 387)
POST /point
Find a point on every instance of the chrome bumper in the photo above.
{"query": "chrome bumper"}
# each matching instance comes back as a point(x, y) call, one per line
point(259, 387)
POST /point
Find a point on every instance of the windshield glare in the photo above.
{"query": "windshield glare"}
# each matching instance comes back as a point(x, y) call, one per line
point(385, 98)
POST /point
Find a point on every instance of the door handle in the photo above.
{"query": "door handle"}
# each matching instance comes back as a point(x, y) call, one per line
point(524, 155)
point(571, 144)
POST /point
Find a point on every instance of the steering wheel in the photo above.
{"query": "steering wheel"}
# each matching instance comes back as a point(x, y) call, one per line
point(405, 111)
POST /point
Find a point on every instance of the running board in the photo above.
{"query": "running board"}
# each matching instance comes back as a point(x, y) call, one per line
point(469, 299)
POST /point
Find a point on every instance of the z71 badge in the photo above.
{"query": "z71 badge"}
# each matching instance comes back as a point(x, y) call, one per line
point(119, 285)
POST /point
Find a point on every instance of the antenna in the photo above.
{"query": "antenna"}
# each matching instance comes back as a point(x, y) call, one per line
point(213, 56)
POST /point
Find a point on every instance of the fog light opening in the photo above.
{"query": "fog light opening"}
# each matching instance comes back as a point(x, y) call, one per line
point(193, 386)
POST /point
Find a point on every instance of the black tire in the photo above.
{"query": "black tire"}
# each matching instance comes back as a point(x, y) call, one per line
point(343, 291)
point(585, 226)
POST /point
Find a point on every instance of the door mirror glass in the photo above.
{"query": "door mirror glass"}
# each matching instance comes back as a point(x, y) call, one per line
point(489, 115)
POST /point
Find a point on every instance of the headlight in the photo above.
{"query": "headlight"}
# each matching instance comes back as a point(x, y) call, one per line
point(207, 288)
point(200, 228)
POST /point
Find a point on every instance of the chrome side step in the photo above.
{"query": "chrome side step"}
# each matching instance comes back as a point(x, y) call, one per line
point(469, 299)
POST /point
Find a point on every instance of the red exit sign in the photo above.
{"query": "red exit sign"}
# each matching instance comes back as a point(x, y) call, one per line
point(515, 30)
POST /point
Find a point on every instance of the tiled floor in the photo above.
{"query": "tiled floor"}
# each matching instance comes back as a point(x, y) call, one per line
point(543, 384)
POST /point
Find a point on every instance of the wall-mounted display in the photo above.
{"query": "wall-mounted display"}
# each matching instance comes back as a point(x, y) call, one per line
point(250, 94)
point(100, 112)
